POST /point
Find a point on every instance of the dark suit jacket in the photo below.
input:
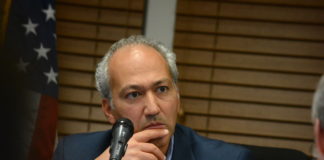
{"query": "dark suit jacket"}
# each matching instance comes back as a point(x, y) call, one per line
point(187, 146)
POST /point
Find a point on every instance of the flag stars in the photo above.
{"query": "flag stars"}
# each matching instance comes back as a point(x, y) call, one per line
point(22, 66)
point(30, 27)
point(50, 13)
point(42, 52)
point(51, 76)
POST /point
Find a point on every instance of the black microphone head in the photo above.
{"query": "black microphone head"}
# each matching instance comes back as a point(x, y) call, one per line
point(122, 131)
point(125, 123)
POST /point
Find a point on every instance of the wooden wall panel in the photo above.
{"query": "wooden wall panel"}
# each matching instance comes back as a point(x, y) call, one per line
point(248, 69)
point(272, 13)
point(76, 46)
point(203, 8)
point(80, 2)
point(66, 127)
point(194, 89)
point(97, 114)
point(197, 106)
point(260, 111)
point(78, 30)
point(76, 13)
point(85, 31)
point(95, 127)
point(269, 63)
point(270, 46)
point(73, 78)
point(301, 3)
point(269, 29)
point(198, 57)
point(262, 128)
point(262, 95)
point(265, 79)
point(75, 62)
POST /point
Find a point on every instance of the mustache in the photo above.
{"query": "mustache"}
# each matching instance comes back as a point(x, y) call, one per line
point(151, 118)
point(154, 119)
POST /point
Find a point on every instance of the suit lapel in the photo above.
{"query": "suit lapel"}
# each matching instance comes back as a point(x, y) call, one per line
point(182, 146)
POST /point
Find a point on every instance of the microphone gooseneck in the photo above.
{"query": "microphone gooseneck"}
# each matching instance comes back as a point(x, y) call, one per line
point(122, 131)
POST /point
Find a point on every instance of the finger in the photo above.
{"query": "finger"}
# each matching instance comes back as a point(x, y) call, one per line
point(151, 148)
point(147, 135)
point(147, 150)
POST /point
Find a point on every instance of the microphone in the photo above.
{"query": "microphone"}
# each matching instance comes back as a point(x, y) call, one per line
point(122, 131)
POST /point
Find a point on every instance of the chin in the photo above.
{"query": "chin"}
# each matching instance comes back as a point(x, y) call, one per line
point(161, 143)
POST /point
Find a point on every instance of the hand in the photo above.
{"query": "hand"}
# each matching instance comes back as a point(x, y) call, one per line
point(139, 148)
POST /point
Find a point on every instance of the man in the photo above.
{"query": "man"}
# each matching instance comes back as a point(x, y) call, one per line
point(318, 118)
point(138, 80)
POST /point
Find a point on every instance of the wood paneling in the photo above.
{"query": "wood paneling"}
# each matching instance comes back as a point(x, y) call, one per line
point(74, 111)
point(73, 78)
point(195, 105)
point(248, 69)
point(302, 3)
point(78, 30)
point(269, 29)
point(199, 8)
point(82, 63)
point(76, 95)
point(76, 13)
point(270, 46)
point(269, 63)
point(72, 127)
point(76, 46)
point(261, 128)
point(262, 95)
point(85, 31)
point(259, 111)
point(272, 13)
point(194, 56)
point(265, 79)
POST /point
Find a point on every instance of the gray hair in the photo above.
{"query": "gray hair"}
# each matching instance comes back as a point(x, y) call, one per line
point(318, 102)
point(102, 72)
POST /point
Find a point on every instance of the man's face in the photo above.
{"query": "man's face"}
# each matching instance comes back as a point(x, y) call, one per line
point(143, 90)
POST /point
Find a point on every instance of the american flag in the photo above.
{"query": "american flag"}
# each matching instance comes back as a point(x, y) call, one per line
point(31, 38)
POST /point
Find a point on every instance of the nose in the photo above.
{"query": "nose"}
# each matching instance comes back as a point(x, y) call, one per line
point(151, 106)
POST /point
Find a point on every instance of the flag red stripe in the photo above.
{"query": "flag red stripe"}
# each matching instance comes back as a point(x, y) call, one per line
point(43, 141)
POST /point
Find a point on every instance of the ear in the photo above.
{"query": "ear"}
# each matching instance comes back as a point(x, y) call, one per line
point(108, 111)
point(180, 111)
point(319, 136)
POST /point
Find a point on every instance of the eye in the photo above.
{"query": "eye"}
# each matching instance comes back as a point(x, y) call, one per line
point(162, 89)
point(132, 95)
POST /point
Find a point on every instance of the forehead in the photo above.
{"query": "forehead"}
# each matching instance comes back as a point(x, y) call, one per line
point(132, 61)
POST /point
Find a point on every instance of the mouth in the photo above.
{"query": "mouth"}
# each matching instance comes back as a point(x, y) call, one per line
point(155, 125)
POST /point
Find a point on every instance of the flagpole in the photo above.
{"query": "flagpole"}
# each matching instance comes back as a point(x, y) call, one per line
point(5, 16)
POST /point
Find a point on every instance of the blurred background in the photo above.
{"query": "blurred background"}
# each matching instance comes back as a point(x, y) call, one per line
point(248, 68)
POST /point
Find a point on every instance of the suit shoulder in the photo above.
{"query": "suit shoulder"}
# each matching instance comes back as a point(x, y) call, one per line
point(85, 139)
point(206, 148)
point(80, 146)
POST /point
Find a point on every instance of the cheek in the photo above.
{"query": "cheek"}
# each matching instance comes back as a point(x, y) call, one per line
point(172, 109)
point(133, 114)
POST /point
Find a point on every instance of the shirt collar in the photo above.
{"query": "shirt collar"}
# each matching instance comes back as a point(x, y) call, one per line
point(170, 150)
